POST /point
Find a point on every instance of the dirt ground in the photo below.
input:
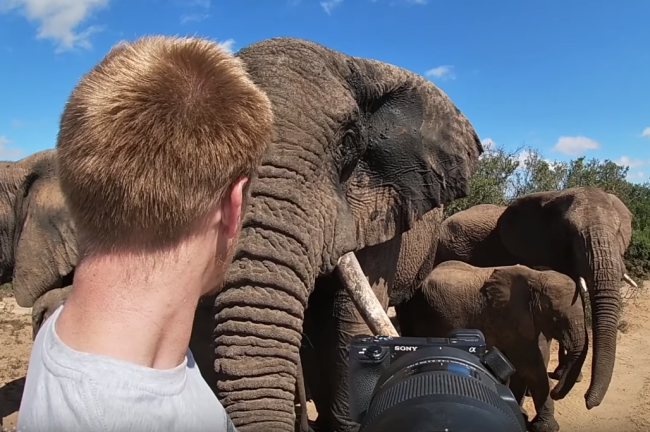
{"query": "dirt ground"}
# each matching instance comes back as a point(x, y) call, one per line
point(626, 406)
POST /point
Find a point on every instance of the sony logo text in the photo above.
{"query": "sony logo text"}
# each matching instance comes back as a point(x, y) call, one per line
point(405, 348)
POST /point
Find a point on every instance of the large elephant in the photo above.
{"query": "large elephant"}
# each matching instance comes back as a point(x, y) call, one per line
point(39, 248)
point(512, 306)
point(361, 150)
point(582, 232)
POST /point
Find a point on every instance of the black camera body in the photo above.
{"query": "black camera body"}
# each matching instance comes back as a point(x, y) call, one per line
point(385, 371)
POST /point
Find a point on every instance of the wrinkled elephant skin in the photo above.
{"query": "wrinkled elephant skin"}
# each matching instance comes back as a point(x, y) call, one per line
point(512, 306)
point(361, 151)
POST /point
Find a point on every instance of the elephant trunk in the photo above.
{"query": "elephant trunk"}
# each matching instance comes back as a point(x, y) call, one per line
point(605, 299)
point(575, 340)
point(259, 321)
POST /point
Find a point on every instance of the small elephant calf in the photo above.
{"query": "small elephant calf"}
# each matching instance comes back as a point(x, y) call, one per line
point(513, 306)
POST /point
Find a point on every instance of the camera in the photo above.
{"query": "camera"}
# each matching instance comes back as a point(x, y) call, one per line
point(422, 384)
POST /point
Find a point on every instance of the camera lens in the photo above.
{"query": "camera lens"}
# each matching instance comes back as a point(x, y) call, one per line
point(440, 389)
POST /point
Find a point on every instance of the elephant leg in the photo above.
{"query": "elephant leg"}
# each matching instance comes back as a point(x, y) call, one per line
point(517, 386)
point(528, 360)
point(544, 345)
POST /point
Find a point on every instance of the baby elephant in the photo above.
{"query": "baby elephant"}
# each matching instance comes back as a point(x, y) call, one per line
point(512, 306)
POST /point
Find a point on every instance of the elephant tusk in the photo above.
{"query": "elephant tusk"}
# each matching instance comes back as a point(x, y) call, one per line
point(363, 296)
point(629, 280)
point(583, 284)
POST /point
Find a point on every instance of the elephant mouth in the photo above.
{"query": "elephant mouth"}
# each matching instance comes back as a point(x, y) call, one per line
point(626, 278)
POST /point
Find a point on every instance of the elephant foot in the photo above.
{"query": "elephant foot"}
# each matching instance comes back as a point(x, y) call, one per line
point(557, 374)
point(312, 427)
point(354, 428)
point(544, 425)
point(325, 426)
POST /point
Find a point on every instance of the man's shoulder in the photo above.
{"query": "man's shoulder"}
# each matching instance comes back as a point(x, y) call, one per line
point(50, 388)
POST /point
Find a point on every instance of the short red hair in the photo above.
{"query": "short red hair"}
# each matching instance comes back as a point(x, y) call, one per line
point(152, 137)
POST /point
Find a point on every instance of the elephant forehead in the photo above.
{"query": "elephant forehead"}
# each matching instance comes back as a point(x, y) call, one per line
point(560, 287)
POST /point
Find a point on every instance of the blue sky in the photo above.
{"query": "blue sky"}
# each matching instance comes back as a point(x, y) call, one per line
point(567, 78)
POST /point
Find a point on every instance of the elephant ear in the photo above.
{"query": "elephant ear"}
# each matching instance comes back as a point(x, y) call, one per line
point(537, 219)
point(507, 294)
point(46, 251)
point(410, 150)
point(624, 233)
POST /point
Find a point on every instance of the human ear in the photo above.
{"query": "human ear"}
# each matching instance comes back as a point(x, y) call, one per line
point(232, 208)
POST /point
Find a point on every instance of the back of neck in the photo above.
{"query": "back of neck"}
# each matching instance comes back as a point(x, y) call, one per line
point(130, 311)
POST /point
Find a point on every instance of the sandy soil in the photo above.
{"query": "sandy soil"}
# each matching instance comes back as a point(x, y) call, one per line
point(626, 406)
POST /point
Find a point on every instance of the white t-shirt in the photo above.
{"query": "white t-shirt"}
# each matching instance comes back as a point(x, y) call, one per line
point(71, 391)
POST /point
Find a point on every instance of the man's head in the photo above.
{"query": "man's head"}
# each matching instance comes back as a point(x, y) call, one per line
point(156, 145)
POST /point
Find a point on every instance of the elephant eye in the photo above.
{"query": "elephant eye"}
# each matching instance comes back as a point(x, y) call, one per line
point(350, 151)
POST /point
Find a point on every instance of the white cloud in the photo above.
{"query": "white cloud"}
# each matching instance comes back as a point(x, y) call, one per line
point(59, 20)
point(627, 161)
point(552, 164)
point(329, 5)
point(636, 176)
point(646, 132)
point(197, 17)
point(442, 72)
point(575, 145)
point(522, 157)
point(203, 5)
point(227, 45)
point(8, 153)
point(488, 144)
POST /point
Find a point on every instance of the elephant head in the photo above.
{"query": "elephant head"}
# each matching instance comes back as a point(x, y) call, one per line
point(38, 243)
point(15, 180)
point(470, 236)
point(582, 232)
point(361, 150)
point(552, 305)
